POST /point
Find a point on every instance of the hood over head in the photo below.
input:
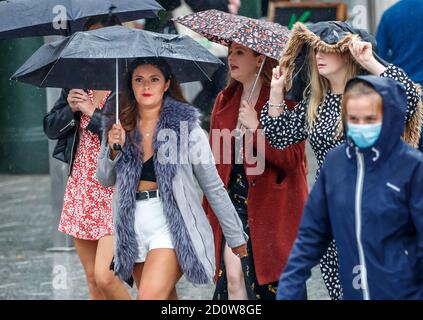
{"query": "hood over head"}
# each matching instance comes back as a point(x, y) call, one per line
point(394, 100)
point(328, 36)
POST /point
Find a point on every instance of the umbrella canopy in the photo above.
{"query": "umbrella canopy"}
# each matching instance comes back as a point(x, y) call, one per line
point(264, 37)
point(87, 59)
point(27, 18)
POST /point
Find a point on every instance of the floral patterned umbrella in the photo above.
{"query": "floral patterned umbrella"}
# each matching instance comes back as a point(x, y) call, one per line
point(264, 37)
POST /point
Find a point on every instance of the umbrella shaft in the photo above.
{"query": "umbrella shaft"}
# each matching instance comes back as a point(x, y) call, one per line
point(117, 92)
point(256, 80)
point(239, 125)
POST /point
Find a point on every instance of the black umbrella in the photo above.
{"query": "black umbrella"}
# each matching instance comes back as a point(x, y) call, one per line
point(91, 59)
point(26, 18)
point(88, 59)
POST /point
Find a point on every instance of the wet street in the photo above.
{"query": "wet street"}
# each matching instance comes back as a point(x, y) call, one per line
point(29, 269)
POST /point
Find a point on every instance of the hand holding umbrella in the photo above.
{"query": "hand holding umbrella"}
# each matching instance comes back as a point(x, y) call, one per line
point(239, 124)
point(116, 136)
point(248, 116)
point(74, 97)
point(79, 100)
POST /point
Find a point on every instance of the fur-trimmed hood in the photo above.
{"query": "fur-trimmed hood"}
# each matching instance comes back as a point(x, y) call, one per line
point(328, 36)
point(334, 37)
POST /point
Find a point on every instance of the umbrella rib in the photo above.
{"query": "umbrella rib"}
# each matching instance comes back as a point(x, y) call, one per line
point(57, 60)
point(201, 69)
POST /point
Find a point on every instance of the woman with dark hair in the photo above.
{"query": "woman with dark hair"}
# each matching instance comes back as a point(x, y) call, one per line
point(161, 229)
point(75, 121)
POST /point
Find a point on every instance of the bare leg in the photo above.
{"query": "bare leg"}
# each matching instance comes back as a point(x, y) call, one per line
point(110, 285)
point(160, 274)
point(86, 250)
point(234, 275)
point(173, 295)
point(137, 278)
point(137, 274)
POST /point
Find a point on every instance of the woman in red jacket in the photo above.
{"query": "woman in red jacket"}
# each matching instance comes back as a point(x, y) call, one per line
point(269, 202)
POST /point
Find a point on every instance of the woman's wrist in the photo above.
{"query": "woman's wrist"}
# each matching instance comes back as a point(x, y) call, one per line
point(275, 109)
point(276, 102)
point(91, 111)
point(276, 98)
point(374, 67)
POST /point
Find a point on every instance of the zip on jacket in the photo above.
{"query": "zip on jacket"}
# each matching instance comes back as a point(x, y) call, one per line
point(72, 153)
point(71, 123)
point(358, 220)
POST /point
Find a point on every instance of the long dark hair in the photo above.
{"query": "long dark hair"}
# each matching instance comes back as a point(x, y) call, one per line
point(128, 105)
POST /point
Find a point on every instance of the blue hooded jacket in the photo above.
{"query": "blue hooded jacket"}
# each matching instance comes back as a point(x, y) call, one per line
point(371, 202)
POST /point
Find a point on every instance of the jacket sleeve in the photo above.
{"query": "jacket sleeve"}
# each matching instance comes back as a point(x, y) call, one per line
point(313, 238)
point(95, 123)
point(287, 129)
point(60, 119)
point(105, 171)
point(416, 207)
point(204, 168)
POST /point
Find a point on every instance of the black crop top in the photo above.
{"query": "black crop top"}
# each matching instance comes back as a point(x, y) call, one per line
point(148, 173)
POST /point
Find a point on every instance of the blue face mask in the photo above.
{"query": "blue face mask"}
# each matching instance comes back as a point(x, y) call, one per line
point(364, 135)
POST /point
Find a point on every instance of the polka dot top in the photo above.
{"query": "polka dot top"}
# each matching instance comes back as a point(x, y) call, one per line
point(292, 127)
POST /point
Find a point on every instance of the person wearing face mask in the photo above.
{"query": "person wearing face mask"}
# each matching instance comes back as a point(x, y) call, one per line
point(317, 62)
point(368, 197)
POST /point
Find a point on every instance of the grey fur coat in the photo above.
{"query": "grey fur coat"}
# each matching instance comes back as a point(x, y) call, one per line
point(178, 136)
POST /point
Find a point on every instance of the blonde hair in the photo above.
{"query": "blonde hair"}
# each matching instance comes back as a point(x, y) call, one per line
point(318, 86)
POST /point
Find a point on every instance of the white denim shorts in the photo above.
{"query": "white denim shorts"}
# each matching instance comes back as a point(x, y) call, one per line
point(151, 227)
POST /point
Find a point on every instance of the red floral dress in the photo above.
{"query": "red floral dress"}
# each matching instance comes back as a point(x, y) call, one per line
point(87, 206)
